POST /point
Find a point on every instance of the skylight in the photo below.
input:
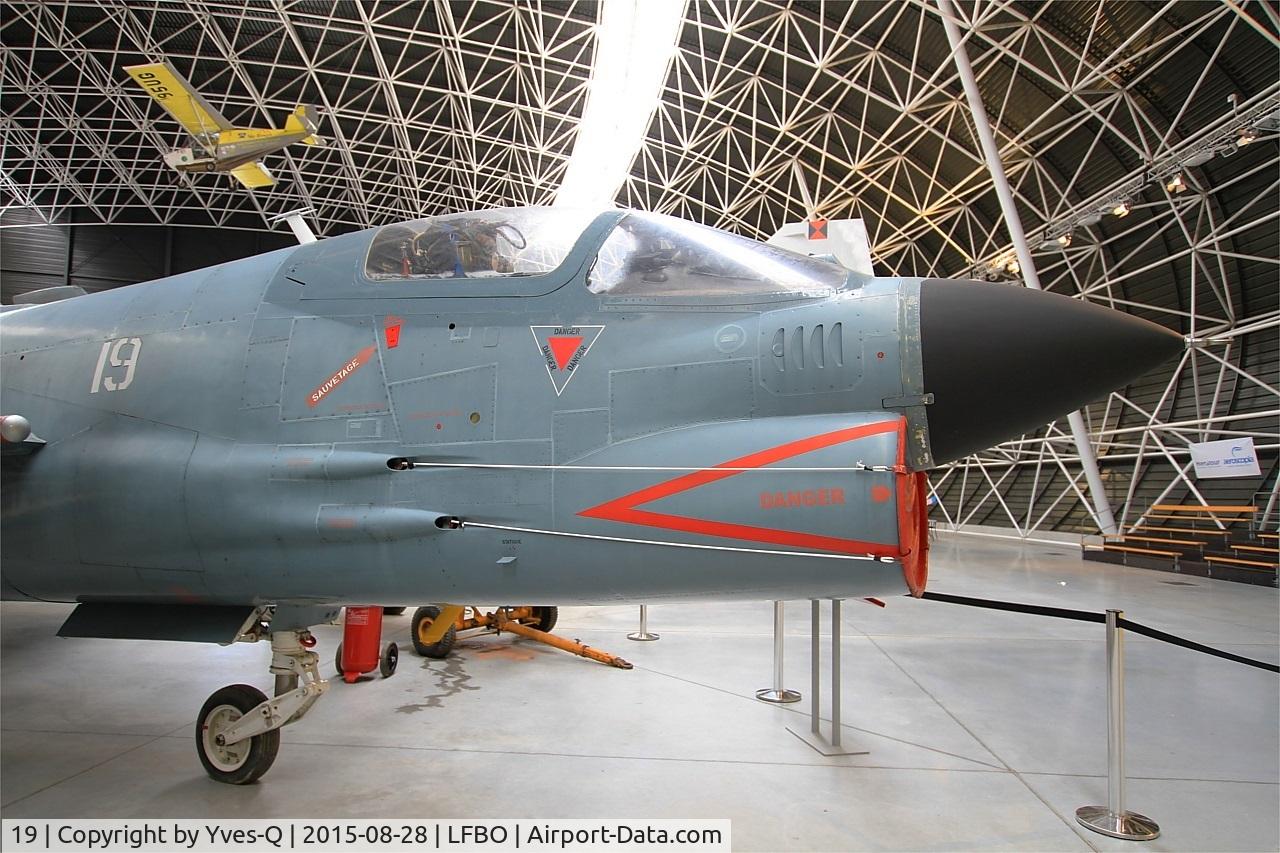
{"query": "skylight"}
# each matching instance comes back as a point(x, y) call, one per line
point(635, 42)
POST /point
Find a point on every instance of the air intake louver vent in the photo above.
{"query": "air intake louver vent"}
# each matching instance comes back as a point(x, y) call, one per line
point(791, 350)
point(808, 359)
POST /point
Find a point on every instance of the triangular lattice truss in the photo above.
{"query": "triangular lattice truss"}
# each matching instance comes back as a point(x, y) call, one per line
point(440, 106)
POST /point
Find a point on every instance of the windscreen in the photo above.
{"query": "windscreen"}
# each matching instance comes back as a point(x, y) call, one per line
point(649, 254)
point(485, 244)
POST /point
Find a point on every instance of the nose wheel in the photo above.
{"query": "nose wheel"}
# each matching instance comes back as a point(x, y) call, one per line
point(245, 760)
point(238, 730)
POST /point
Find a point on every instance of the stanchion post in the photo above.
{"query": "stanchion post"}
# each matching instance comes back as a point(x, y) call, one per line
point(777, 694)
point(815, 651)
point(835, 674)
point(1112, 819)
point(643, 634)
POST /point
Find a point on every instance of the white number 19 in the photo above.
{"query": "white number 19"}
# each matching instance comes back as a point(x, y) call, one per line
point(114, 351)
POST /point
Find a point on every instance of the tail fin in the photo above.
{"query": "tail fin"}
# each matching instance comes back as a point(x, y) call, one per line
point(304, 119)
point(844, 239)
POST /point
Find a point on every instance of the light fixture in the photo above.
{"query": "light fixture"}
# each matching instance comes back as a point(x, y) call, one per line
point(1065, 240)
point(1199, 158)
point(1012, 267)
point(1246, 135)
point(1176, 184)
point(1122, 208)
point(635, 43)
point(1089, 219)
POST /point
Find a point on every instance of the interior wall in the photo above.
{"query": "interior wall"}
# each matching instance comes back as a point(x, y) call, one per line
point(98, 257)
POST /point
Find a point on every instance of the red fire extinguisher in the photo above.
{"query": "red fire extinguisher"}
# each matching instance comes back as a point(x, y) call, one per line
point(358, 652)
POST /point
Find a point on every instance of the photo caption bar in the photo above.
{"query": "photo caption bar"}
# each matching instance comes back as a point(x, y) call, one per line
point(330, 836)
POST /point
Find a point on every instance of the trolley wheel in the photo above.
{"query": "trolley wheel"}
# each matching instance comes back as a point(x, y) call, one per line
point(423, 618)
point(235, 763)
point(392, 611)
point(390, 657)
point(547, 618)
point(337, 660)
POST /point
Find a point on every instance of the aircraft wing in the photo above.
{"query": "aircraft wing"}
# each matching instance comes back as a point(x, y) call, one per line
point(253, 175)
point(172, 91)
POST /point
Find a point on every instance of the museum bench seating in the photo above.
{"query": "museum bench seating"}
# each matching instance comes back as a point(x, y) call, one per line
point(1207, 541)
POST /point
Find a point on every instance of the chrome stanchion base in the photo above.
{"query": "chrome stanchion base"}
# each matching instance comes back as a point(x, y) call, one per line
point(778, 697)
point(642, 636)
point(1130, 826)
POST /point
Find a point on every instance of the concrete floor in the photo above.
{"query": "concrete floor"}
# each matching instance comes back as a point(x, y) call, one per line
point(986, 730)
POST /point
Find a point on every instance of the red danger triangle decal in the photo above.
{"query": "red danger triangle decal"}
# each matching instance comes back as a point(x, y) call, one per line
point(563, 349)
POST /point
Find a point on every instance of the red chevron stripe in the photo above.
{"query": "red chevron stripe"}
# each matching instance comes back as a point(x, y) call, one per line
point(623, 509)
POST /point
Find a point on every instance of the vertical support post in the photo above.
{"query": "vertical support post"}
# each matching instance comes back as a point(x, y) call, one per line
point(835, 673)
point(1112, 819)
point(1088, 461)
point(777, 693)
point(779, 618)
point(643, 634)
point(71, 240)
point(828, 746)
point(815, 661)
point(1271, 505)
point(1115, 713)
point(168, 251)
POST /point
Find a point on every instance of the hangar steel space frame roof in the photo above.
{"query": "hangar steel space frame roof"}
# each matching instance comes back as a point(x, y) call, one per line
point(436, 106)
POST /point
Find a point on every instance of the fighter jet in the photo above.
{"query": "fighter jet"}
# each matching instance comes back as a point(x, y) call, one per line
point(518, 405)
point(223, 147)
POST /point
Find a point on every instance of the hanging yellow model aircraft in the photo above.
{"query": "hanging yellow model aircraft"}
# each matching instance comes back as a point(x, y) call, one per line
point(223, 147)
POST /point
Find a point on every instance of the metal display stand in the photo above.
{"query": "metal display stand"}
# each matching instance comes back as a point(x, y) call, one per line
point(777, 693)
point(643, 634)
point(828, 746)
point(1112, 819)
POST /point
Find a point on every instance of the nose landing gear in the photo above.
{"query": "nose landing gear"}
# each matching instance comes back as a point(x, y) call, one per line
point(238, 731)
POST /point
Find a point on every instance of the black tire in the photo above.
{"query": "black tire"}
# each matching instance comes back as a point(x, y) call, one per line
point(547, 618)
point(422, 619)
point(337, 660)
point(390, 657)
point(393, 611)
point(240, 763)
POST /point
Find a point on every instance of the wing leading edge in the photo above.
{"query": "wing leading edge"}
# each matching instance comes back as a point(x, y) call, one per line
point(172, 91)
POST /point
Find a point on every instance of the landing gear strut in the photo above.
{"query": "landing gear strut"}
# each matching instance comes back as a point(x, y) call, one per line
point(238, 731)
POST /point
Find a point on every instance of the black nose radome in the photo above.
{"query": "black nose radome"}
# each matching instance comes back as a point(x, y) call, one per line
point(1001, 360)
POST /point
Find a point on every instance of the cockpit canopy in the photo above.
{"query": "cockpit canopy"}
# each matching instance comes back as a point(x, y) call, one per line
point(514, 241)
point(645, 256)
point(648, 254)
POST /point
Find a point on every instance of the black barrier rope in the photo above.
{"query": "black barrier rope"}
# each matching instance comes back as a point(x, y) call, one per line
point(1086, 616)
point(1138, 628)
point(1036, 609)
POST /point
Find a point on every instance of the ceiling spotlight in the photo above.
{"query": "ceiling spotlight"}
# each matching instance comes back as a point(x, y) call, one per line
point(1176, 184)
point(1199, 158)
point(1246, 135)
point(1065, 240)
point(1090, 219)
point(1122, 208)
point(1012, 267)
